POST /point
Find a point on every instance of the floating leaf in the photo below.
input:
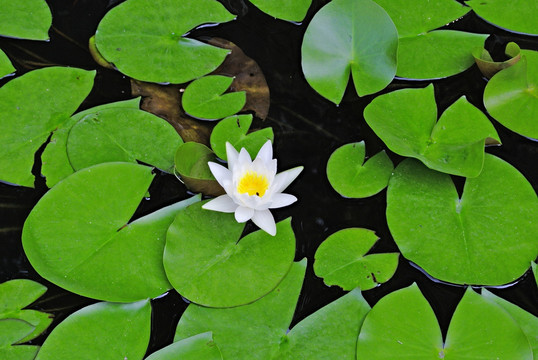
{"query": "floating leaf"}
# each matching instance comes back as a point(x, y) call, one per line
point(335, 46)
point(6, 67)
point(519, 16)
point(351, 177)
point(204, 98)
point(55, 163)
point(282, 9)
point(101, 331)
point(146, 39)
point(426, 53)
point(119, 134)
point(11, 332)
point(207, 263)
point(489, 67)
point(341, 260)
point(405, 121)
point(535, 271)
point(28, 19)
point(403, 325)
point(234, 130)
point(79, 229)
point(16, 295)
point(511, 96)
point(488, 236)
point(32, 106)
point(196, 347)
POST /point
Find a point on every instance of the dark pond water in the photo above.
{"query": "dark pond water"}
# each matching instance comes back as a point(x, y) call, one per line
point(307, 130)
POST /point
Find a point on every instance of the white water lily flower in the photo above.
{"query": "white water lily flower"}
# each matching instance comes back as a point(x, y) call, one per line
point(252, 187)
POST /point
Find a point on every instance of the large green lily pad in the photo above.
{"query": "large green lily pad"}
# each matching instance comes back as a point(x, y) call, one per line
point(487, 236)
point(32, 106)
point(511, 96)
point(146, 39)
point(208, 264)
point(78, 236)
point(196, 347)
point(28, 19)
point(6, 67)
point(284, 9)
point(518, 15)
point(101, 331)
point(406, 121)
point(346, 37)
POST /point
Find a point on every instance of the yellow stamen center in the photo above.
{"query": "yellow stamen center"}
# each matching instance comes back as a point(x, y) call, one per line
point(253, 183)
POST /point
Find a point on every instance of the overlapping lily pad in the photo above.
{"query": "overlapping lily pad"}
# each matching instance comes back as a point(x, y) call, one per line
point(28, 19)
point(486, 236)
point(346, 37)
point(489, 67)
point(101, 331)
point(511, 96)
point(234, 130)
point(208, 264)
point(11, 332)
point(426, 53)
point(406, 121)
point(341, 260)
point(147, 40)
point(403, 325)
point(79, 229)
point(191, 164)
point(6, 67)
point(518, 16)
point(32, 106)
point(351, 177)
point(196, 347)
point(204, 98)
point(283, 9)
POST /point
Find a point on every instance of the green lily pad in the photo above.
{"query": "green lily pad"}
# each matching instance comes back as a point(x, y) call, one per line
point(196, 347)
point(79, 229)
point(406, 121)
point(101, 331)
point(218, 269)
point(127, 135)
point(426, 53)
point(55, 163)
point(488, 67)
point(283, 9)
point(234, 130)
point(341, 260)
point(351, 177)
point(535, 271)
point(527, 321)
point(487, 236)
point(11, 332)
point(191, 164)
point(511, 96)
point(6, 67)
point(28, 19)
point(519, 16)
point(335, 46)
point(17, 294)
point(146, 39)
point(204, 98)
point(32, 106)
point(403, 325)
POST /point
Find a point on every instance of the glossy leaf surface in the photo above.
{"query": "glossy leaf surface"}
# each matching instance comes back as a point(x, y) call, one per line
point(28, 19)
point(11, 332)
point(6, 67)
point(284, 9)
point(518, 16)
point(196, 347)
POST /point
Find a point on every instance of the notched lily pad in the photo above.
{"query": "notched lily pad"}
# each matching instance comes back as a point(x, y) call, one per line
point(6, 67)
point(28, 19)
point(406, 122)
point(13, 331)
point(234, 130)
point(351, 177)
point(489, 67)
point(208, 264)
point(205, 98)
point(285, 10)
point(196, 347)
point(520, 16)
point(341, 260)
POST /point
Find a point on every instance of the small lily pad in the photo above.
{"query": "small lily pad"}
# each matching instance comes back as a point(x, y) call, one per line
point(234, 130)
point(335, 46)
point(146, 40)
point(487, 236)
point(511, 96)
point(520, 16)
point(204, 258)
point(28, 19)
point(204, 98)
point(341, 260)
point(191, 164)
point(406, 121)
point(16, 295)
point(101, 331)
point(284, 9)
point(11, 332)
point(122, 134)
point(351, 177)
point(196, 347)
point(489, 67)
point(6, 67)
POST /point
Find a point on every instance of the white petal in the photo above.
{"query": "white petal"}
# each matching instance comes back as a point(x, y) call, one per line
point(285, 178)
point(244, 158)
point(243, 214)
point(265, 221)
point(223, 175)
point(280, 200)
point(266, 152)
point(223, 203)
point(232, 155)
